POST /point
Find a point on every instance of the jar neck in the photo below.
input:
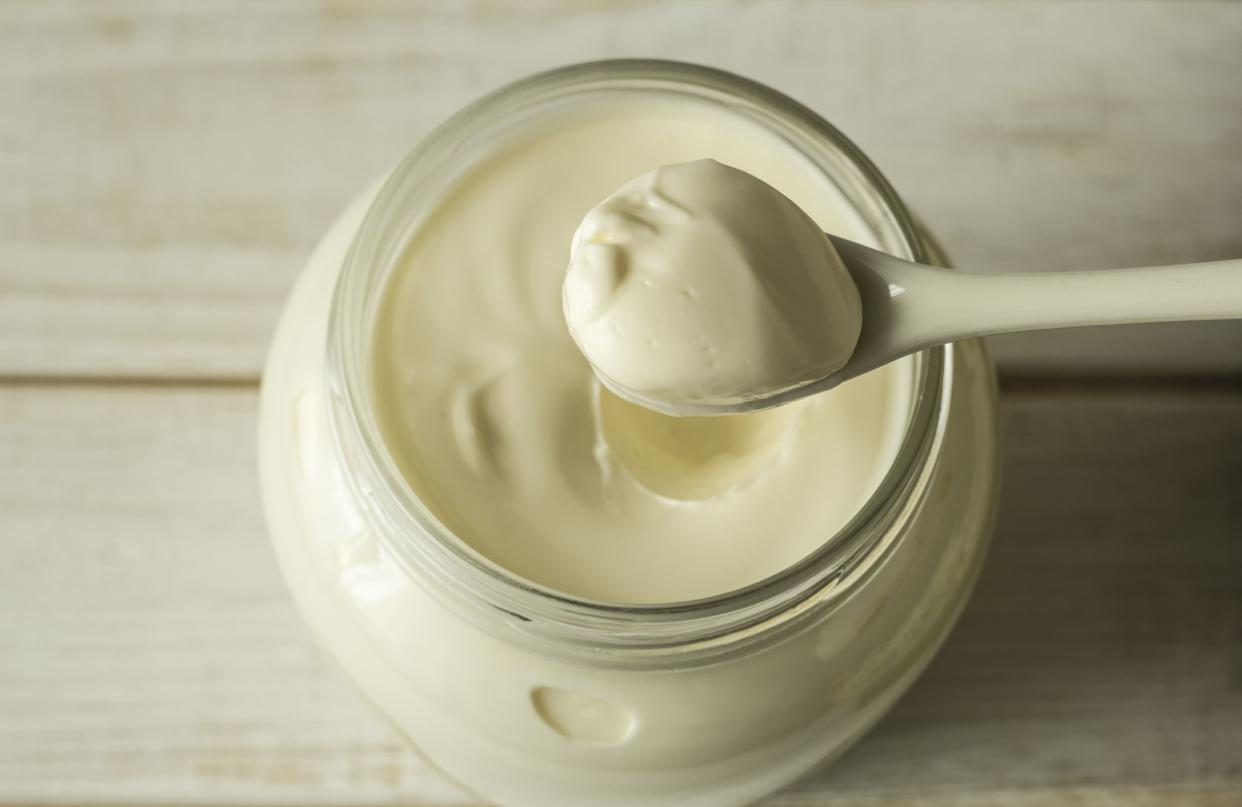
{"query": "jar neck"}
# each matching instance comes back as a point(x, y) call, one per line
point(519, 610)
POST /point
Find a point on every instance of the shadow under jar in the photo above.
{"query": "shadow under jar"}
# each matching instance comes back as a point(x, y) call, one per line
point(529, 696)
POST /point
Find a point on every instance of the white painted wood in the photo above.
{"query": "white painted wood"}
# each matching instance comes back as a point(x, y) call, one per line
point(176, 160)
point(151, 655)
point(165, 166)
point(161, 311)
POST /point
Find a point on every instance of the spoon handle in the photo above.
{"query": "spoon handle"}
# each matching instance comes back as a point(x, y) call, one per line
point(987, 304)
point(913, 306)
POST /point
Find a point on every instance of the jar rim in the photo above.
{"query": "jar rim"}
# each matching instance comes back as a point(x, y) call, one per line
point(556, 621)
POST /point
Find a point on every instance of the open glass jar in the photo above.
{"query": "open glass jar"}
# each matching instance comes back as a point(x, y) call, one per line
point(530, 697)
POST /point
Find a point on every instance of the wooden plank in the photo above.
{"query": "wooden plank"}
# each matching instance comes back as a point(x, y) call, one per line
point(151, 653)
point(1101, 649)
point(153, 312)
point(166, 165)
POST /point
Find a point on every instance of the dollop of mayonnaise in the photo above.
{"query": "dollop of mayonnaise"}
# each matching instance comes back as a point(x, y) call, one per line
point(698, 283)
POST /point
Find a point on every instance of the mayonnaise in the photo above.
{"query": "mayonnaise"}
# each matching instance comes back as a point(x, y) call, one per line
point(497, 422)
point(699, 283)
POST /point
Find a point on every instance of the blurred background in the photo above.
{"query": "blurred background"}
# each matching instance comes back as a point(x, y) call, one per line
point(166, 167)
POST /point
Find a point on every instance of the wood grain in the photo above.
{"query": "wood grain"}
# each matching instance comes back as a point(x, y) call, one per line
point(151, 652)
point(152, 655)
point(165, 166)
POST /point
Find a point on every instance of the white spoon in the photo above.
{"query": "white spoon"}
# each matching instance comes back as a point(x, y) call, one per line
point(908, 307)
point(767, 294)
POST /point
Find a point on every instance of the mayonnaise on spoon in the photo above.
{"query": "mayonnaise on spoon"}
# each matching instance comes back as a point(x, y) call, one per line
point(698, 283)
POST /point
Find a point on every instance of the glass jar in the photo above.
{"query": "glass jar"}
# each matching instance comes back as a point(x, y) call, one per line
point(532, 698)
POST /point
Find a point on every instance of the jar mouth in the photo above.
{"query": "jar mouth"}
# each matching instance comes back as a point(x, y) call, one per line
point(482, 589)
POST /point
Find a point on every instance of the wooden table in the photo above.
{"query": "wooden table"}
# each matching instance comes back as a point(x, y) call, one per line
point(165, 167)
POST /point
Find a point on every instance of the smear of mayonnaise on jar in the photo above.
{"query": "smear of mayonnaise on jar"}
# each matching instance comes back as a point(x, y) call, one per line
point(700, 283)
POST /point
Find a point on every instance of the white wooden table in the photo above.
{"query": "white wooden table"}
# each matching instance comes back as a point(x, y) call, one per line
point(165, 167)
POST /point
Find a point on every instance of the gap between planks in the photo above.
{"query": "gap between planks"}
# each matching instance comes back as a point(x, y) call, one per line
point(1009, 383)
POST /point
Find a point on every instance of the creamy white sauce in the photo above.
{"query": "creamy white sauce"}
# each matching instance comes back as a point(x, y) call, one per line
point(699, 283)
point(497, 422)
